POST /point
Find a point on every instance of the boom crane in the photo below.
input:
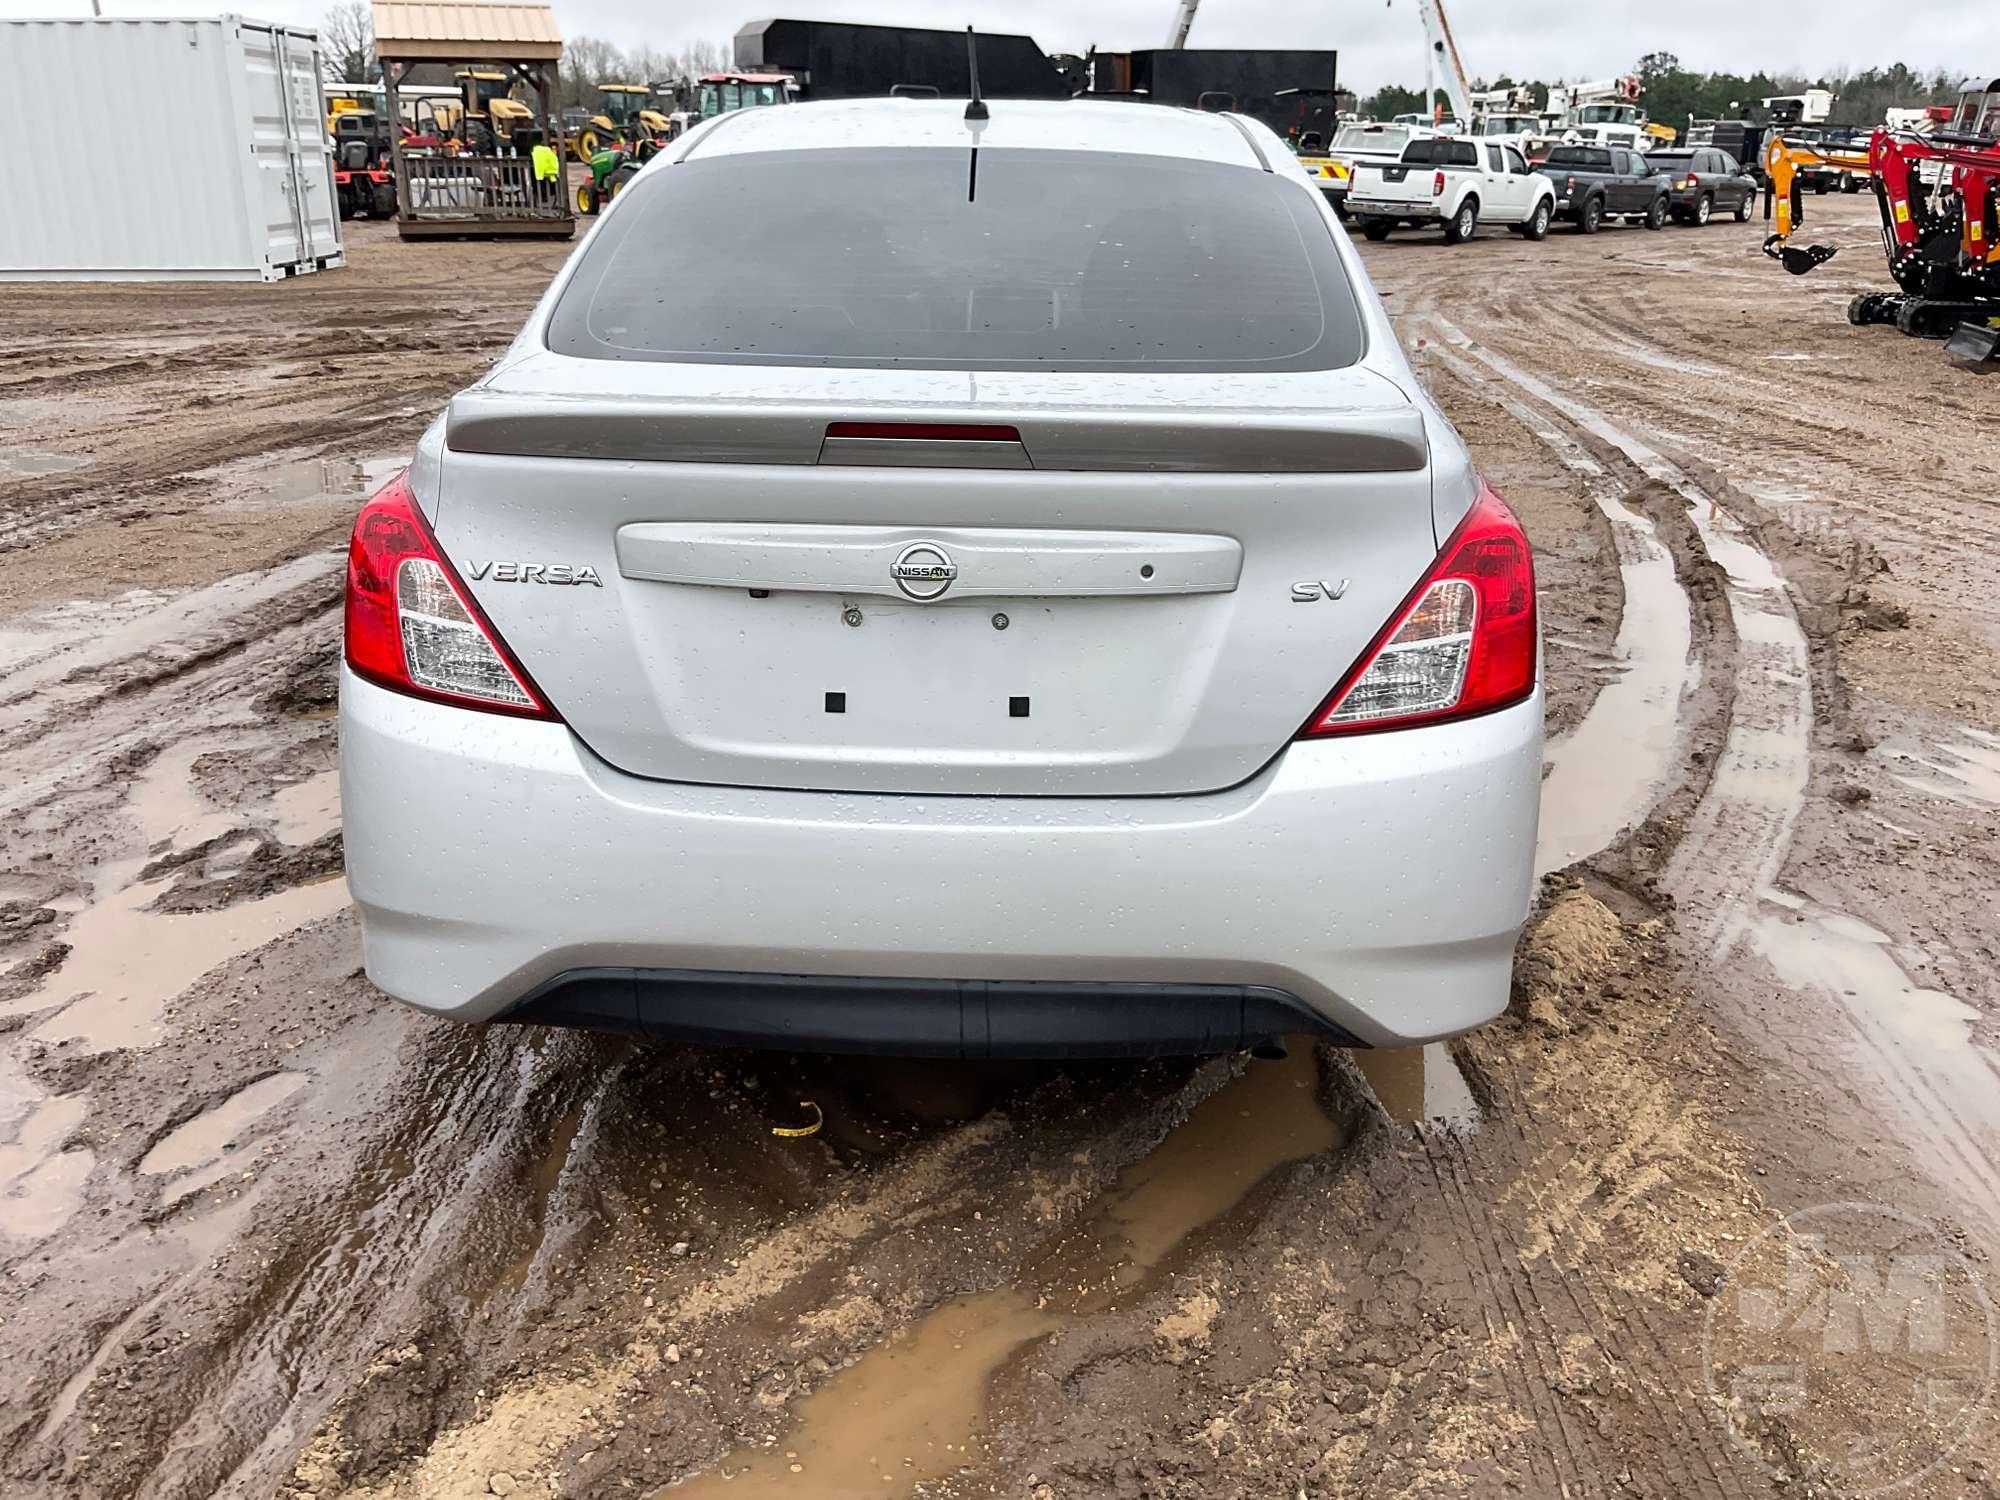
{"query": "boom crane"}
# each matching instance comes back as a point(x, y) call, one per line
point(1183, 23)
point(1441, 60)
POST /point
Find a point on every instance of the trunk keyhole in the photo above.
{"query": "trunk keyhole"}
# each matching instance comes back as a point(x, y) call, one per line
point(1017, 708)
point(836, 703)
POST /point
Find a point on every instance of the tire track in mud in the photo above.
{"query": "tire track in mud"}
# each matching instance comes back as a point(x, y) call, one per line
point(1593, 791)
point(1740, 832)
point(1605, 779)
point(1725, 874)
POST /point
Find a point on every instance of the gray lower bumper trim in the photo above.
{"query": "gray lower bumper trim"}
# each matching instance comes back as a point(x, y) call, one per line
point(924, 1017)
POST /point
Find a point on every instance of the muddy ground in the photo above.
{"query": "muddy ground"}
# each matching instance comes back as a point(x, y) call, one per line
point(263, 1233)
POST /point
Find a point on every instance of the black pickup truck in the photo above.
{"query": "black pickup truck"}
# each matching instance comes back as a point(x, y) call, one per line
point(1595, 183)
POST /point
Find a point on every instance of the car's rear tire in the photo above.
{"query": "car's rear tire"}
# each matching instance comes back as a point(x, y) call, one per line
point(1376, 229)
point(1704, 209)
point(1590, 217)
point(1656, 214)
point(1464, 224)
point(1537, 227)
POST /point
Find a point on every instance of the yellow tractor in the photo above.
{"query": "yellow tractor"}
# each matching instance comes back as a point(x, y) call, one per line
point(627, 116)
point(488, 108)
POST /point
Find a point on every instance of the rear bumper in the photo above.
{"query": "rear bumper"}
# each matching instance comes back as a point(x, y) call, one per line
point(1389, 208)
point(1378, 881)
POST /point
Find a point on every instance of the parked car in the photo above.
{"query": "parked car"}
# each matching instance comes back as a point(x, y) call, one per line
point(1703, 182)
point(1595, 183)
point(1741, 140)
point(1453, 181)
point(1334, 170)
point(741, 669)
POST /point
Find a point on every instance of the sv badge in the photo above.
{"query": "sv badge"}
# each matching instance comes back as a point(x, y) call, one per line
point(1314, 590)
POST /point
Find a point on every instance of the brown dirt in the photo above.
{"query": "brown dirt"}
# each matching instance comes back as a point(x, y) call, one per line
point(263, 1233)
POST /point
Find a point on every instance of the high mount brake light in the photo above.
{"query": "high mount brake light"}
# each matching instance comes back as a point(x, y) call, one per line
point(412, 626)
point(933, 432)
point(1463, 642)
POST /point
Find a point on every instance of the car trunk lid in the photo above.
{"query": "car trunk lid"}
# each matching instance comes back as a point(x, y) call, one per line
point(919, 589)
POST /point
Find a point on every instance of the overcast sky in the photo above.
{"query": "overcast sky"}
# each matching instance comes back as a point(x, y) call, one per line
point(1379, 43)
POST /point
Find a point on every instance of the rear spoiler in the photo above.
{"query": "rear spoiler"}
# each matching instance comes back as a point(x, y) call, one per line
point(1372, 439)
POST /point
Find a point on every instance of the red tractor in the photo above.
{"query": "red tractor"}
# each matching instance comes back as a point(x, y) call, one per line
point(364, 183)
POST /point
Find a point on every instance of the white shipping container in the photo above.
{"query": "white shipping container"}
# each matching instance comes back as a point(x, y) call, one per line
point(205, 157)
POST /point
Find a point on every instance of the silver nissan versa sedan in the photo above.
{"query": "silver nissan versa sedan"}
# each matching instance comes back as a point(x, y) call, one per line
point(932, 585)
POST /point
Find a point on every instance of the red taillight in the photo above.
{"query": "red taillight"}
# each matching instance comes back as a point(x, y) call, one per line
point(1462, 643)
point(1437, 184)
point(411, 624)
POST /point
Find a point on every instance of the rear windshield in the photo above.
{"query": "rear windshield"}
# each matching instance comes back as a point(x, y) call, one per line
point(1441, 151)
point(1371, 138)
point(1591, 159)
point(1060, 260)
point(1669, 161)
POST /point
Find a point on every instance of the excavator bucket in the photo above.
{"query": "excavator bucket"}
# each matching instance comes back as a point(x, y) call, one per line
point(1798, 259)
point(1976, 343)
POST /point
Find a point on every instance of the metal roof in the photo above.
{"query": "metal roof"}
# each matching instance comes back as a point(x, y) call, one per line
point(465, 30)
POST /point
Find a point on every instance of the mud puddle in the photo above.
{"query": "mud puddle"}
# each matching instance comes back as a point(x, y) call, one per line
point(52, 661)
point(125, 961)
point(1419, 1086)
point(41, 1184)
point(1915, 1042)
point(914, 1409)
point(1966, 771)
point(309, 809)
point(203, 1150)
point(34, 463)
point(318, 478)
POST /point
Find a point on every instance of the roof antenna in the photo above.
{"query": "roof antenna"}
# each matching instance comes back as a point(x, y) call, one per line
point(976, 108)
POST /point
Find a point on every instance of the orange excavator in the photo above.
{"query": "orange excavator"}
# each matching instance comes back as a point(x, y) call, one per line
point(1940, 203)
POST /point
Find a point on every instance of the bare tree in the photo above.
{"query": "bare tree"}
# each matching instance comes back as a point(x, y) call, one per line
point(347, 40)
point(587, 62)
point(591, 61)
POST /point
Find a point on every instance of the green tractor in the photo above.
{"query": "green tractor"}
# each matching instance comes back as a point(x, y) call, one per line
point(610, 170)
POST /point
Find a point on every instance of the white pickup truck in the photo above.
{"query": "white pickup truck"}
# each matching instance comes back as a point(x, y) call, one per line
point(1457, 181)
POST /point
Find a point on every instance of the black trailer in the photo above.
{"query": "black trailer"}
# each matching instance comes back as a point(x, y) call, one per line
point(1292, 90)
point(837, 60)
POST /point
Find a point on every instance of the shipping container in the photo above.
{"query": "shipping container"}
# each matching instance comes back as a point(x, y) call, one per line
point(202, 154)
point(840, 60)
point(1290, 89)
